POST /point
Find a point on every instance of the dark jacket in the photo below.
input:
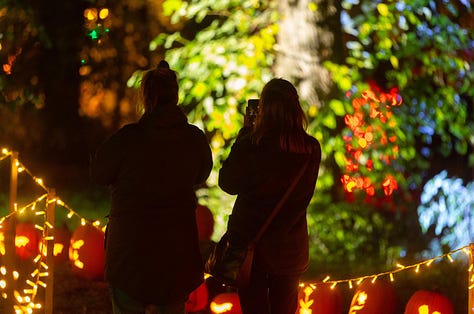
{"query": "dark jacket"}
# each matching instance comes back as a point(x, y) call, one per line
point(152, 168)
point(260, 175)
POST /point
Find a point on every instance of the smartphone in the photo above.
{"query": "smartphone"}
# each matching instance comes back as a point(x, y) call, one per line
point(252, 110)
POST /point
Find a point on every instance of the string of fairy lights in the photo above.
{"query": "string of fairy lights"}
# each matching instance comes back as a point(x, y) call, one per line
point(417, 267)
point(25, 299)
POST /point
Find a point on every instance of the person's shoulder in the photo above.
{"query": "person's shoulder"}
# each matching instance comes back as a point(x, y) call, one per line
point(194, 129)
point(312, 139)
point(130, 126)
point(127, 128)
point(316, 145)
point(125, 131)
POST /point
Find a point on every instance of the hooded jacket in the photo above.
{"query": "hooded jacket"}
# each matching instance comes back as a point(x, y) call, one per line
point(152, 168)
point(259, 175)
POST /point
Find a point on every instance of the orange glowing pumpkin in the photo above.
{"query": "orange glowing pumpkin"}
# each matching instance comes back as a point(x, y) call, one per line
point(86, 252)
point(227, 302)
point(198, 299)
point(428, 302)
point(374, 297)
point(27, 240)
point(322, 299)
point(62, 238)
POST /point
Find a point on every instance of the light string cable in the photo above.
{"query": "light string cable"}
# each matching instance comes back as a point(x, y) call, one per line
point(390, 274)
point(26, 300)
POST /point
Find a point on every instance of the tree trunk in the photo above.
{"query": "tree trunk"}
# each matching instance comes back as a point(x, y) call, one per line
point(59, 74)
point(309, 34)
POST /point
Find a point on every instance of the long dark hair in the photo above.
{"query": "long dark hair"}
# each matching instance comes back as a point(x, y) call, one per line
point(280, 111)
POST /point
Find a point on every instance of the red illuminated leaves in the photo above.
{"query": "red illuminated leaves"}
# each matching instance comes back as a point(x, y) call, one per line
point(370, 142)
point(7, 67)
point(389, 185)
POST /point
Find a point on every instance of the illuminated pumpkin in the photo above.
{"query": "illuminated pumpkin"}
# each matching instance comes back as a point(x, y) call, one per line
point(198, 299)
point(428, 302)
point(27, 240)
point(205, 222)
point(62, 238)
point(227, 302)
point(320, 300)
point(374, 297)
point(86, 252)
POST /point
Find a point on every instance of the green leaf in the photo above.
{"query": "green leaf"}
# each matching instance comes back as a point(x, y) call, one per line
point(337, 107)
point(383, 9)
point(340, 158)
point(329, 121)
point(171, 6)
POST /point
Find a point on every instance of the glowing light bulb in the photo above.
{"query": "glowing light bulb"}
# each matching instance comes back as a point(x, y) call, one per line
point(103, 13)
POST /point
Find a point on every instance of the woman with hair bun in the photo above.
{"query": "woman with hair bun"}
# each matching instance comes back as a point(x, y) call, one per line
point(153, 167)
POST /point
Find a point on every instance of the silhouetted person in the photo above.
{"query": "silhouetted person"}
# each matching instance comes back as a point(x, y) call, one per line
point(152, 167)
point(264, 160)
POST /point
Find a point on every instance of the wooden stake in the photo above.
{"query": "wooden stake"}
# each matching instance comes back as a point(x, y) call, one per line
point(470, 282)
point(50, 216)
point(9, 227)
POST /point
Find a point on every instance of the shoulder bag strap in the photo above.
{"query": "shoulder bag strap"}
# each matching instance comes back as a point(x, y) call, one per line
point(278, 206)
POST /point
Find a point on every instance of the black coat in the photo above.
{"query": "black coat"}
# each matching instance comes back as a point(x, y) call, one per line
point(260, 175)
point(152, 168)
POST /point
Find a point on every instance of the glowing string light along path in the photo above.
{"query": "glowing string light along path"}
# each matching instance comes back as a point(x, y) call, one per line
point(399, 268)
point(23, 300)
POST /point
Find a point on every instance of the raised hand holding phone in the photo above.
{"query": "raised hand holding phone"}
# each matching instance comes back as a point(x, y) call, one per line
point(251, 112)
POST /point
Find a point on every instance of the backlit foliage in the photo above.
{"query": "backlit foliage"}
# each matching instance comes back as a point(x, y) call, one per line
point(371, 146)
point(223, 54)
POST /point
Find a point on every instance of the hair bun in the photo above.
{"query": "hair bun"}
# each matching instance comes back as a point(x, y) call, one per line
point(163, 64)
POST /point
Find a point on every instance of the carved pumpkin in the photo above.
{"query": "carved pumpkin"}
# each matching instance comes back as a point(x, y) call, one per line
point(198, 299)
point(205, 222)
point(227, 302)
point(86, 252)
point(320, 300)
point(374, 298)
point(428, 302)
point(27, 240)
point(62, 238)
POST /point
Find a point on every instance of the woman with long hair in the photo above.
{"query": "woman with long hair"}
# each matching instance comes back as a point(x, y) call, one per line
point(264, 160)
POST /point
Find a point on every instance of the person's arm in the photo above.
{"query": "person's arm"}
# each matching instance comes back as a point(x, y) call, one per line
point(236, 169)
point(206, 167)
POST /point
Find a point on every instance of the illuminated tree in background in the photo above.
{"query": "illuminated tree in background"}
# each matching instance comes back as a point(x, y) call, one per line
point(38, 85)
point(65, 71)
point(309, 34)
point(382, 43)
point(221, 51)
point(118, 34)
